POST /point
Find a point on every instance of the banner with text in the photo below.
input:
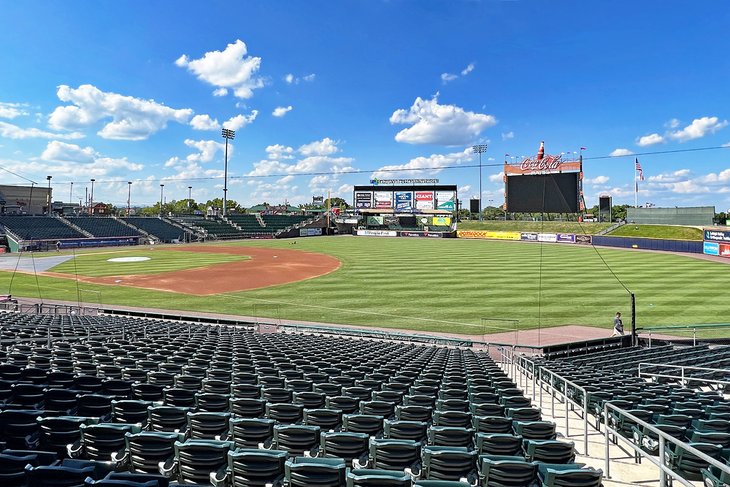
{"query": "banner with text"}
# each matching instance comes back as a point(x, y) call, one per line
point(377, 233)
point(363, 200)
point(711, 248)
point(403, 200)
point(547, 237)
point(497, 235)
point(446, 200)
point(717, 235)
point(441, 221)
point(383, 199)
point(424, 200)
point(583, 239)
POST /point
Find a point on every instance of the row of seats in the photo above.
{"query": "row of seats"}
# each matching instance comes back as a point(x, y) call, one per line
point(38, 227)
point(158, 228)
point(131, 395)
point(699, 417)
point(103, 226)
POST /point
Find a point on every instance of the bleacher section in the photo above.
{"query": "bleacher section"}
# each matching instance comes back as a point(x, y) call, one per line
point(274, 223)
point(158, 228)
point(249, 224)
point(39, 228)
point(117, 397)
point(103, 226)
point(683, 406)
point(217, 229)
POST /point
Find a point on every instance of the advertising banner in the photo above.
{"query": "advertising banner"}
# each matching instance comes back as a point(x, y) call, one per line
point(420, 234)
point(548, 164)
point(363, 199)
point(383, 199)
point(584, 239)
point(488, 234)
point(377, 233)
point(375, 220)
point(547, 237)
point(566, 238)
point(711, 248)
point(446, 200)
point(403, 200)
point(717, 235)
point(424, 200)
point(530, 237)
point(310, 232)
point(725, 250)
point(441, 221)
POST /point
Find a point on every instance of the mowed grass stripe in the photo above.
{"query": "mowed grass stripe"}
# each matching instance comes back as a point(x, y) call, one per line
point(160, 260)
point(450, 285)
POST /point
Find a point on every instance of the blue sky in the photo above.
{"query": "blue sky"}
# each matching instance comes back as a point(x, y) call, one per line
point(139, 92)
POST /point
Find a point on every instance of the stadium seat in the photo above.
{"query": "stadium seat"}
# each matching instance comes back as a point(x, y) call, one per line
point(448, 463)
point(377, 478)
point(506, 471)
point(315, 472)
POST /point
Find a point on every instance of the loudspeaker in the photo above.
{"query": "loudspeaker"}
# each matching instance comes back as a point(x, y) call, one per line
point(474, 205)
point(604, 203)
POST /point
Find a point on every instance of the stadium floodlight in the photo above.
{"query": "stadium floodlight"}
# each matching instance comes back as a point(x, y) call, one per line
point(190, 196)
point(129, 198)
point(91, 198)
point(480, 149)
point(227, 134)
point(162, 189)
point(48, 197)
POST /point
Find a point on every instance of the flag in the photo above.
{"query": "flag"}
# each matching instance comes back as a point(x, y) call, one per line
point(583, 148)
point(640, 171)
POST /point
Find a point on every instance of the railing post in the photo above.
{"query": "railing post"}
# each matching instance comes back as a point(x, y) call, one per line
point(534, 381)
point(649, 338)
point(585, 421)
point(540, 384)
point(565, 402)
point(607, 459)
point(694, 337)
point(662, 475)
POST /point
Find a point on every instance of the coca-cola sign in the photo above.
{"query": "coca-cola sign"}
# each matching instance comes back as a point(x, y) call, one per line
point(547, 163)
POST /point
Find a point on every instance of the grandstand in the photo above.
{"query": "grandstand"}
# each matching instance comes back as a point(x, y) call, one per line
point(157, 228)
point(275, 223)
point(38, 228)
point(151, 400)
point(103, 226)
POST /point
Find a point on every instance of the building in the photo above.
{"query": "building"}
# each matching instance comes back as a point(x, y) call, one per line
point(24, 200)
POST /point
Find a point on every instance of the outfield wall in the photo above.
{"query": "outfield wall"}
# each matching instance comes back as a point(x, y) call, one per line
point(667, 245)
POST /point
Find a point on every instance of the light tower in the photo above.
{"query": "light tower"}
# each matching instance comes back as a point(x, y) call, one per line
point(227, 134)
point(480, 149)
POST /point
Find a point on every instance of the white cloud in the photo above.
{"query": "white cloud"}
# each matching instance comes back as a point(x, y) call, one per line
point(508, 135)
point(464, 189)
point(598, 180)
point(422, 164)
point(620, 152)
point(204, 122)
point(207, 150)
point(672, 124)
point(62, 152)
point(10, 131)
point(72, 161)
point(446, 77)
point(497, 178)
point(322, 147)
point(230, 69)
point(281, 111)
point(698, 128)
point(240, 121)
point(220, 92)
point(468, 69)
point(650, 139)
point(278, 151)
point(12, 110)
point(132, 118)
point(670, 177)
point(439, 124)
point(290, 79)
point(317, 157)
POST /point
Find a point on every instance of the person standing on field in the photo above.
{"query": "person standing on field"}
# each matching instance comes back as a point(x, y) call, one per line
point(618, 326)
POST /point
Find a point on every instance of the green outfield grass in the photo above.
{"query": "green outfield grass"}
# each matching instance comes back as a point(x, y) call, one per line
point(658, 231)
point(96, 264)
point(450, 285)
point(521, 226)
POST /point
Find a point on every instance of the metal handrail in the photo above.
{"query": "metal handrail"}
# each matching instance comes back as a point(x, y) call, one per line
point(683, 377)
point(537, 375)
point(663, 438)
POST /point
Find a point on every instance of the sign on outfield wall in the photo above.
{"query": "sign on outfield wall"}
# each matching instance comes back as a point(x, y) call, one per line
point(445, 200)
point(711, 248)
point(403, 200)
point(717, 235)
point(584, 239)
point(547, 237)
point(383, 199)
point(424, 200)
point(530, 237)
point(488, 234)
point(377, 233)
point(566, 238)
point(363, 199)
point(725, 250)
point(310, 232)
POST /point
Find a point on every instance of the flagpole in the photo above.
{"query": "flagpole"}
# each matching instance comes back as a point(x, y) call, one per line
point(636, 188)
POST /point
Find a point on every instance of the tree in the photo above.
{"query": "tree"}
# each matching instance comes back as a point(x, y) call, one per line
point(336, 202)
point(618, 212)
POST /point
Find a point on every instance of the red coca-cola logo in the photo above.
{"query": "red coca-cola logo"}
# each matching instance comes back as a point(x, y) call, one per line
point(547, 163)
